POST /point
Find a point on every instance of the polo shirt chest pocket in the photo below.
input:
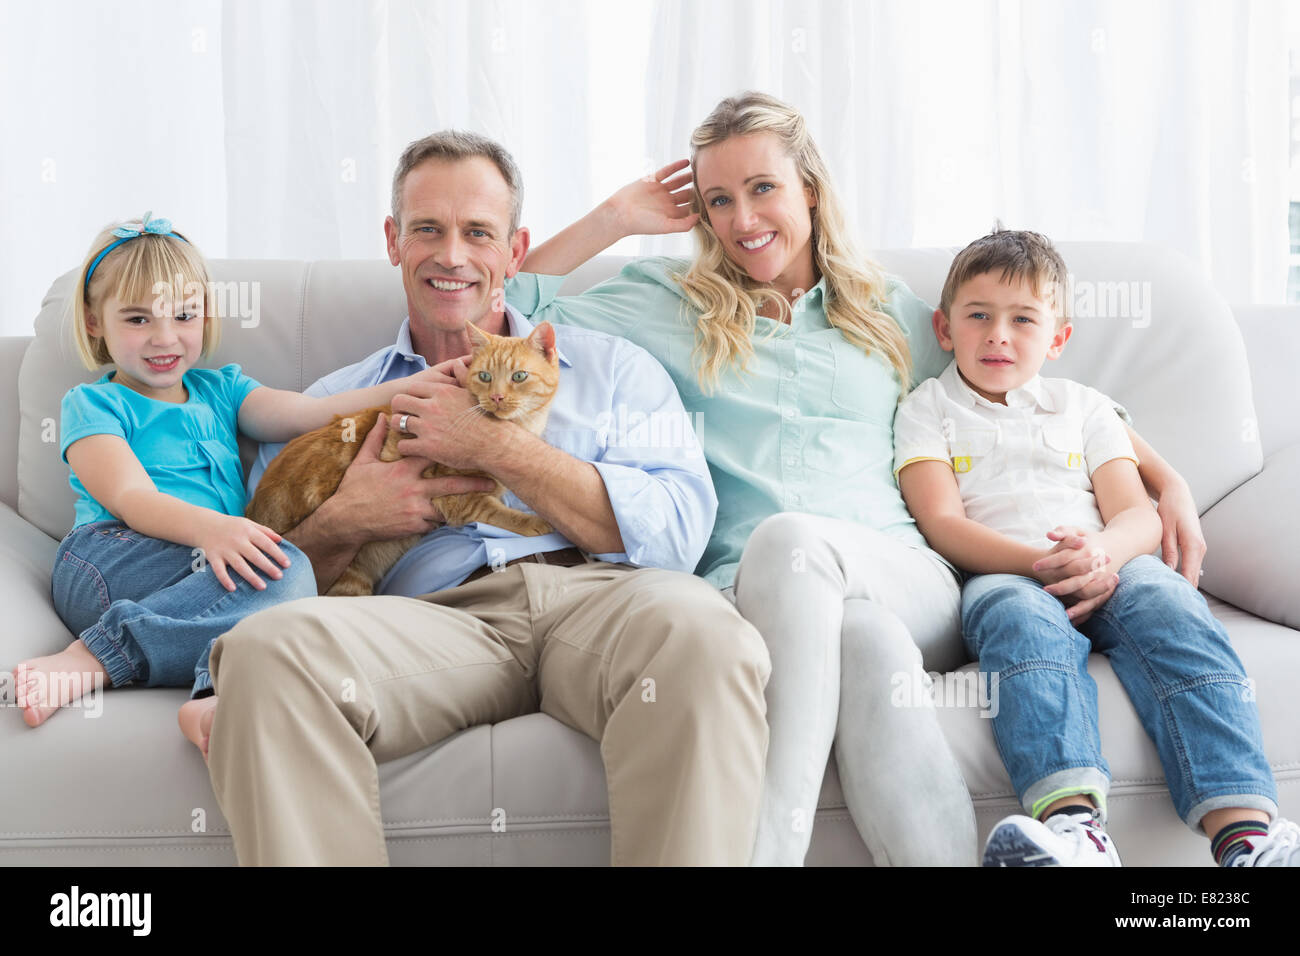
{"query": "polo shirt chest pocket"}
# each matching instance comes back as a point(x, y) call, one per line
point(1063, 446)
point(971, 446)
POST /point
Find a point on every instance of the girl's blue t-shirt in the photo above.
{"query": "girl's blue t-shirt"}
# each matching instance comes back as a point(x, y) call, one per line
point(190, 450)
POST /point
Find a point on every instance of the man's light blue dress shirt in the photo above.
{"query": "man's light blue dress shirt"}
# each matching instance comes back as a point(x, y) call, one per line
point(617, 408)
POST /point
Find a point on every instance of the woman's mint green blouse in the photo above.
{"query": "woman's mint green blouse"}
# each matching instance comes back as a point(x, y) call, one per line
point(809, 426)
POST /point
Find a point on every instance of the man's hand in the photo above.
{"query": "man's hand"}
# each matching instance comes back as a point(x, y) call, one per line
point(448, 425)
point(381, 500)
point(1077, 571)
point(1181, 532)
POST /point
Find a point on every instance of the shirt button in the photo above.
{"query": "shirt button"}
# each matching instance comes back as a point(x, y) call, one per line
point(789, 413)
point(792, 462)
point(796, 499)
point(789, 373)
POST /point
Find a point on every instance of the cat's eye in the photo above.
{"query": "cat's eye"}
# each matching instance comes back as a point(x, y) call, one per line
point(485, 376)
point(518, 376)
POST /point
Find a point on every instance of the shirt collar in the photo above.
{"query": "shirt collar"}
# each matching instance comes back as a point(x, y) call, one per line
point(520, 327)
point(1027, 395)
point(813, 296)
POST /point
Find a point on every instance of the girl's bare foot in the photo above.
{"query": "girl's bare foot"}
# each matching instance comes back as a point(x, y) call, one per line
point(196, 718)
point(44, 684)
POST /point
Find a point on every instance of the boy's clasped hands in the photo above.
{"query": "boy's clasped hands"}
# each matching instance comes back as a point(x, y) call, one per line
point(1077, 570)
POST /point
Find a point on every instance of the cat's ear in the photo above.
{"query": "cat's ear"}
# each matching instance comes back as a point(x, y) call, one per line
point(477, 337)
point(543, 339)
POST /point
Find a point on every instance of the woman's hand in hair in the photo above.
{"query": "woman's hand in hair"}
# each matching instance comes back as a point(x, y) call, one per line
point(655, 204)
point(652, 206)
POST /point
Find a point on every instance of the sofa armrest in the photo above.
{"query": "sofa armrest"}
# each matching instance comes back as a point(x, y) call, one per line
point(1272, 337)
point(31, 627)
point(12, 350)
point(1252, 559)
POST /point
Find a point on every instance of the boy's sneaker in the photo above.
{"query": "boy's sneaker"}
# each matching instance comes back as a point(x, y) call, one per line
point(1066, 839)
point(1280, 848)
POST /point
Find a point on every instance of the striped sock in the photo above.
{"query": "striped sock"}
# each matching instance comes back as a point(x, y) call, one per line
point(1236, 839)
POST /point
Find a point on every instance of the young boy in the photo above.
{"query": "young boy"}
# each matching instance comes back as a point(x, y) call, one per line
point(1031, 485)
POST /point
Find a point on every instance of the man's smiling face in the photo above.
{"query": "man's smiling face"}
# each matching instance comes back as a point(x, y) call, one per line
point(454, 244)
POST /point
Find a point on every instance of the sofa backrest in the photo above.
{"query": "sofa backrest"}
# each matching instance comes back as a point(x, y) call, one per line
point(1175, 359)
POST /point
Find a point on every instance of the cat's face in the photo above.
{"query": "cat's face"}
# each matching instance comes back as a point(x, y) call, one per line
point(512, 377)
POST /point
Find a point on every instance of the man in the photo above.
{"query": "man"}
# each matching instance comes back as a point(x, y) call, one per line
point(316, 693)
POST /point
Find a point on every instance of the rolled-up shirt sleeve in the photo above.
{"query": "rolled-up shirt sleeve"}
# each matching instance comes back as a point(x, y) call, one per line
point(530, 291)
point(653, 467)
point(918, 428)
point(1104, 436)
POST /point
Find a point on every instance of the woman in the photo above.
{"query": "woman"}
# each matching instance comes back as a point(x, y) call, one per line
point(792, 350)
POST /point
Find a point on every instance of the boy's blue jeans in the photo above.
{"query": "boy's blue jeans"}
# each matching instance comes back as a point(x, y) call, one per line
point(142, 609)
point(1172, 657)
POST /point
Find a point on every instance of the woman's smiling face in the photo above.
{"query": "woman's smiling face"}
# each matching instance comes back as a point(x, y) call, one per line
point(759, 208)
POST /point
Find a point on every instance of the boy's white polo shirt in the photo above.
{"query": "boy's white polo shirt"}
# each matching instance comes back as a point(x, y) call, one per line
point(1022, 468)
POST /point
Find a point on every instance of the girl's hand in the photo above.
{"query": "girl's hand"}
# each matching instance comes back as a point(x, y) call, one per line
point(655, 204)
point(451, 372)
point(227, 542)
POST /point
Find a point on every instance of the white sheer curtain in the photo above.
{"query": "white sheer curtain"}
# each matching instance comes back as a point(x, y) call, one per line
point(270, 129)
point(1162, 120)
point(107, 111)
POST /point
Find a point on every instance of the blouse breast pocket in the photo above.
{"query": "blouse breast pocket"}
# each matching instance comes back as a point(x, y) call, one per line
point(969, 447)
point(1063, 445)
point(862, 385)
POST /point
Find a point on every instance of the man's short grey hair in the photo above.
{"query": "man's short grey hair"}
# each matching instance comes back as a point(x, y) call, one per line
point(454, 144)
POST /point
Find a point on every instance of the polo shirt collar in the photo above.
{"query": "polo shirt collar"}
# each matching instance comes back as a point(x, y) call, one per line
point(1026, 396)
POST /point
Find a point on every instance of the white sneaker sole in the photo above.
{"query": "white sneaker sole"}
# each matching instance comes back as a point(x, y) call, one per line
point(1023, 841)
point(1009, 845)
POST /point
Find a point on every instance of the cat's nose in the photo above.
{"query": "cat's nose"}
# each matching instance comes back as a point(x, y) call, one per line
point(498, 399)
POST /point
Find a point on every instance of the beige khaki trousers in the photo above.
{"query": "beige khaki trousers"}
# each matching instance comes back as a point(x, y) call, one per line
point(656, 665)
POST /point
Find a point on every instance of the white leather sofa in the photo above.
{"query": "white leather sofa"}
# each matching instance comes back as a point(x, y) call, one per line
point(126, 788)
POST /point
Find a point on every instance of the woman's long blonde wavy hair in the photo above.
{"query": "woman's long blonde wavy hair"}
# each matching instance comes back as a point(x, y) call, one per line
point(728, 299)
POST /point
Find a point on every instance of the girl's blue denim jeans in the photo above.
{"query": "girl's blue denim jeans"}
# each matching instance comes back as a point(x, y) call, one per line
point(146, 611)
point(1170, 654)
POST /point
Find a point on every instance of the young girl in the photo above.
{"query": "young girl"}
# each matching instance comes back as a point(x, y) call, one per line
point(145, 578)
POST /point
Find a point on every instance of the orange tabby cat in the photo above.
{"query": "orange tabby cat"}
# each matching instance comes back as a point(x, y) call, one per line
point(513, 379)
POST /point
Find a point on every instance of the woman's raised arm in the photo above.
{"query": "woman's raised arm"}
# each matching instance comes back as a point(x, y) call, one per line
point(650, 206)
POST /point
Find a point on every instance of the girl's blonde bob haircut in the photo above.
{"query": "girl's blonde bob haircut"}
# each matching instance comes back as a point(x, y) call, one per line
point(140, 270)
point(728, 299)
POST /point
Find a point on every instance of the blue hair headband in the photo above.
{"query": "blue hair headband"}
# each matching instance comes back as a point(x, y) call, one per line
point(155, 227)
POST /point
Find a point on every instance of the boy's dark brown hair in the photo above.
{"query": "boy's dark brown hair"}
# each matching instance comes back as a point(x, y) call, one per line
point(1014, 255)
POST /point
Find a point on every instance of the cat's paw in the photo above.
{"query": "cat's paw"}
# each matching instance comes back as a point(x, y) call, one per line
point(534, 525)
point(351, 585)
